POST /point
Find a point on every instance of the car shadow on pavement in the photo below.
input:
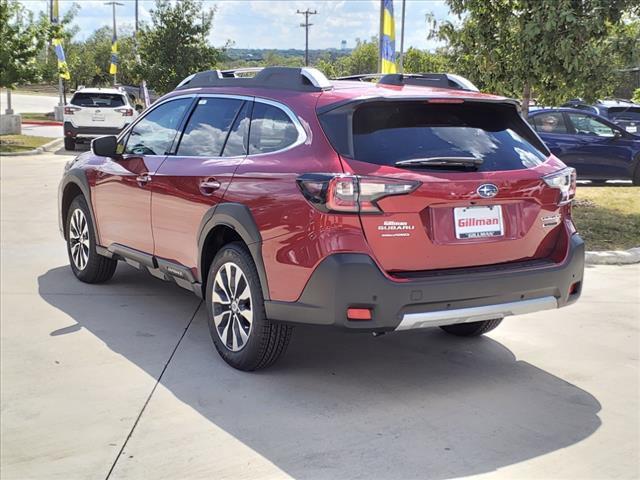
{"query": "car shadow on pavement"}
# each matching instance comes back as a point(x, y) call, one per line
point(416, 404)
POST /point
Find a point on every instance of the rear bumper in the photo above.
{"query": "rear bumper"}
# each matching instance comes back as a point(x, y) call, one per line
point(72, 131)
point(349, 280)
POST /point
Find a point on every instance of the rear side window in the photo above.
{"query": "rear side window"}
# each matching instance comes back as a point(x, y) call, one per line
point(552, 122)
point(387, 132)
point(102, 100)
point(208, 127)
point(271, 129)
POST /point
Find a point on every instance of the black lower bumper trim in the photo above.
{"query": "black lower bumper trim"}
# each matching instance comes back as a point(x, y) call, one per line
point(71, 131)
point(354, 280)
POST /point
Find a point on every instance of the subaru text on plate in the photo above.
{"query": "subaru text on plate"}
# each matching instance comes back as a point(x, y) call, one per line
point(285, 198)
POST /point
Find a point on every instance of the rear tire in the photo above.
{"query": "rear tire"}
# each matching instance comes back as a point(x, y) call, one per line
point(86, 263)
point(69, 143)
point(240, 331)
point(472, 329)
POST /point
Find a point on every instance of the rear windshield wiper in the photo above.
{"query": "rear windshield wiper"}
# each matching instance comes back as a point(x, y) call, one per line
point(448, 162)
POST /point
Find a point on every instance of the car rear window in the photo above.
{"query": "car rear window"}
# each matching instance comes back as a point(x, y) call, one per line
point(624, 113)
point(386, 132)
point(102, 100)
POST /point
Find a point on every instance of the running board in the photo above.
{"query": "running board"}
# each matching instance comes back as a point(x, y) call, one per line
point(476, 314)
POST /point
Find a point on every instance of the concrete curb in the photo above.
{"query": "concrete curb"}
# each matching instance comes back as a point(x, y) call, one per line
point(613, 257)
point(47, 123)
point(47, 147)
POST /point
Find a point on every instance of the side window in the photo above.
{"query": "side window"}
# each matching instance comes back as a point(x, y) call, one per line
point(552, 122)
point(238, 136)
point(154, 134)
point(271, 129)
point(208, 127)
point(587, 125)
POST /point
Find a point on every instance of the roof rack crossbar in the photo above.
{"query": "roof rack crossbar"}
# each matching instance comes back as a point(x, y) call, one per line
point(442, 80)
point(303, 79)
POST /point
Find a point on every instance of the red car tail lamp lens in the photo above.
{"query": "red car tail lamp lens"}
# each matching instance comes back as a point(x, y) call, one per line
point(70, 110)
point(359, 314)
point(126, 112)
point(564, 181)
point(351, 193)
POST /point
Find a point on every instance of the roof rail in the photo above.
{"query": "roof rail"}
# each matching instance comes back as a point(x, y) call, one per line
point(303, 79)
point(442, 80)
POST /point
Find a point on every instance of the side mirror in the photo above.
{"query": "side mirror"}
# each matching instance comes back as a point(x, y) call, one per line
point(105, 146)
point(617, 134)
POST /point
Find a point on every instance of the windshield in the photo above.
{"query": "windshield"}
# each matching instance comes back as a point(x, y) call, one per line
point(385, 133)
point(103, 100)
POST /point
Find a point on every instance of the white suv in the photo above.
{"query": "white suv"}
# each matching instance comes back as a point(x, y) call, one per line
point(93, 112)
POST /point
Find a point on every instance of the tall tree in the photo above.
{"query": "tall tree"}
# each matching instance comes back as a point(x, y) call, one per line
point(175, 44)
point(21, 40)
point(556, 48)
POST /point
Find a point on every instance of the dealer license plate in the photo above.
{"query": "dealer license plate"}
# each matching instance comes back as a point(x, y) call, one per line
point(478, 221)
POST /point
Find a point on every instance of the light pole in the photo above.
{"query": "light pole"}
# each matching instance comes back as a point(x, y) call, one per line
point(115, 35)
point(306, 26)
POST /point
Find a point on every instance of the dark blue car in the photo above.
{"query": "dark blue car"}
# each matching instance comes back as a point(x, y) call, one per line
point(624, 113)
point(598, 149)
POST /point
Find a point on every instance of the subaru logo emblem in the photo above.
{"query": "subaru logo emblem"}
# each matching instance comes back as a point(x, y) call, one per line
point(487, 190)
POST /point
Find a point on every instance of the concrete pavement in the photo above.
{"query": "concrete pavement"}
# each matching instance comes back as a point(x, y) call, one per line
point(121, 380)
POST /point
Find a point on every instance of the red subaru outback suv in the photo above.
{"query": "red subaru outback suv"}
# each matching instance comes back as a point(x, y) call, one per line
point(285, 198)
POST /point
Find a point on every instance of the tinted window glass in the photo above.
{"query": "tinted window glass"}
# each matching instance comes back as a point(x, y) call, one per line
point(207, 129)
point(585, 125)
point(625, 113)
point(271, 129)
point(238, 136)
point(154, 134)
point(552, 122)
point(102, 100)
point(385, 133)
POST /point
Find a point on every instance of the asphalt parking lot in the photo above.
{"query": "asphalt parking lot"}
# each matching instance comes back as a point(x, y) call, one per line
point(121, 380)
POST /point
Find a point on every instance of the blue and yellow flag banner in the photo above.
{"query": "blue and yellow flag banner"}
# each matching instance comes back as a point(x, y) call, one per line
point(388, 39)
point(55, 12)
point(113, 69)
point(63, 68)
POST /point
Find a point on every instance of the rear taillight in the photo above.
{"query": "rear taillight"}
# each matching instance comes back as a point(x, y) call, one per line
point(350, 193)
point(564, 181)
point(70, 110)
point(126, 112)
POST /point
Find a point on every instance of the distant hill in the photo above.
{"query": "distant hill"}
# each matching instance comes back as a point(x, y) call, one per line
point(259, 55)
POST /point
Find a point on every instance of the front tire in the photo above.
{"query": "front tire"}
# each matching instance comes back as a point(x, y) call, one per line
point(240, 331)
point(69, 143)
point(87, 265)
point(472, 329)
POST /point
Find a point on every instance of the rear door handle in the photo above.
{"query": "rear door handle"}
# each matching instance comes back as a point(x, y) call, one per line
point(143, 179)
point(207, 187)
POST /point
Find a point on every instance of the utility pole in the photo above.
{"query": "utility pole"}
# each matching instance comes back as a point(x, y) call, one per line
point(306, 26)
point(115, 35)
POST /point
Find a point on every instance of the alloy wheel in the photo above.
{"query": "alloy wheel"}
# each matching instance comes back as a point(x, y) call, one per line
point(232, 307)
point(79, 239)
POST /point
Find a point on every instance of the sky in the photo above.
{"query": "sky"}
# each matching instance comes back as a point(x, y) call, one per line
point(274, 24)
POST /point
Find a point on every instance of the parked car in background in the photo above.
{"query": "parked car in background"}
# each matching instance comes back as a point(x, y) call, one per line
point(597, 148)
point(93, 112)
point(624, 113)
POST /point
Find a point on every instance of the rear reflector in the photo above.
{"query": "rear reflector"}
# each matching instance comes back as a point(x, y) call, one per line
point(358, 314)
point(575, 288)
